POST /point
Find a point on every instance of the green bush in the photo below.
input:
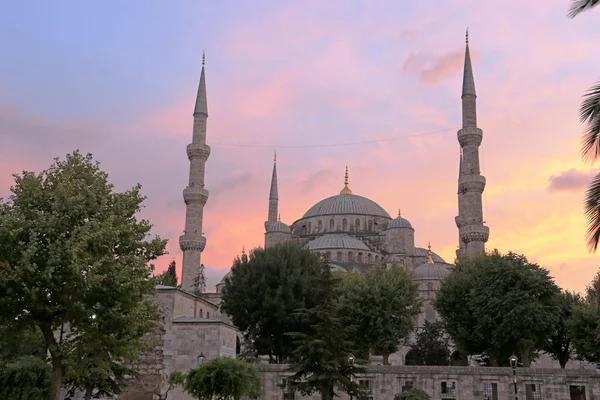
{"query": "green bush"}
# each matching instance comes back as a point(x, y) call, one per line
point(223, 379)
point(412, 394)
point(24, 379)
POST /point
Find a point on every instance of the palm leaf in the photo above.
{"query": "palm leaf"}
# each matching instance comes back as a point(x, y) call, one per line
point(592, 213)
point(589, 113)
point(579, 6)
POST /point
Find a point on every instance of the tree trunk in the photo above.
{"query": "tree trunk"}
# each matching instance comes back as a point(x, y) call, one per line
point(386, 358)
point(88, 393)
point(56, 379)
point(563, 359)
point(525, 359)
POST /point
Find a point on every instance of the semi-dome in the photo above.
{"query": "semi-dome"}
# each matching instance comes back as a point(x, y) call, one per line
point(278, 227)
point(336, 242)
point(431, 271)
point(346, 204)
point(399, 222)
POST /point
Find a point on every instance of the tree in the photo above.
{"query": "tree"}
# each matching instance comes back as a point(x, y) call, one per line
point(168, 277)
point(412, 394)
point(264, 291)
point(430, 347)
point(381, 305)
point(223, 379)
point(558, 345)
point(498, 305)
point(589, 114)
point(584, 325)
point(75, 266)
point(322, 359)
point(26, 378)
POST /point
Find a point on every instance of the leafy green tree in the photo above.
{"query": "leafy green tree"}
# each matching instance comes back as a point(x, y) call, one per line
point(322, 359)
point(497, 305)
point(75, 266)
point(264, 291)
point(168, 277)
point(223, 379)
point(24, 379)
point(589, 114)
point(584, 325)
point(381, 306)
point(412, 394)
point(558, 345)
point(430, 347)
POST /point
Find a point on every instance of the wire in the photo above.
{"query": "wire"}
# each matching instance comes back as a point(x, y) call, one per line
point(333, 144)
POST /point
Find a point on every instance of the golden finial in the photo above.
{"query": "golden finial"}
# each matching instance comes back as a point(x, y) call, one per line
point(275, 156)
point(346, 189)
point(243, 249)
point(429, 254)
point(279, 218)
point(203, 58)
point(467, 36)
point(399, 214)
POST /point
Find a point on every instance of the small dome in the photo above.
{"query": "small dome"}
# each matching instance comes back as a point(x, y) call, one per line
point(227, 275)
point(431, 271)
point(399, 223)
point(278, 227)
point(421, 252)
point(336, 242)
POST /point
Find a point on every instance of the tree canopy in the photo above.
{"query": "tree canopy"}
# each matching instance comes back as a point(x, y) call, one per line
point(168, 277)
point(497, 305)
point(223, 379)
point(584, 324)
point(558, 345)
point(430, 346)
point(74, 265)
point(264, 292)
point(379, 307)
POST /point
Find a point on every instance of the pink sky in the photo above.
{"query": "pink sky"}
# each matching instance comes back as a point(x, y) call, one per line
point(284, 75)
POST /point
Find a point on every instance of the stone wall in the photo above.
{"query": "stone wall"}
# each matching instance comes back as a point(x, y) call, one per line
point(456, 383)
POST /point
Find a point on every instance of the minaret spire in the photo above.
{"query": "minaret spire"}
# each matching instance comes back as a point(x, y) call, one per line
point(273, 195)
point(192, 242)
point(346, 189)
point(472, 233)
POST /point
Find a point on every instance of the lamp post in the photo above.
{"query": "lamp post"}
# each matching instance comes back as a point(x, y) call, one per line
point(513, 363)
point(201, 359)
point(351, 363)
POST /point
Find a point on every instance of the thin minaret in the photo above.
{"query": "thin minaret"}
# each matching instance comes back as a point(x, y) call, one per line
point(273, 196)
point(472, 233)
point(192, 242)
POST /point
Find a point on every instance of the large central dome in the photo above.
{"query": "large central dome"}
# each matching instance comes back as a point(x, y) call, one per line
point(346, 204)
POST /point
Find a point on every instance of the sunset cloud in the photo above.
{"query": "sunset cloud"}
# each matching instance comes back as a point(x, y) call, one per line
point(571, 180)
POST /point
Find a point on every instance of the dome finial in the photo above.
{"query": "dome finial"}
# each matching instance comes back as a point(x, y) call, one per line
point(274, 156)
point(399, 214)
point(346, 189)
point(429, 254)
point(467, 36)
point(203, 59)
point(279, 218)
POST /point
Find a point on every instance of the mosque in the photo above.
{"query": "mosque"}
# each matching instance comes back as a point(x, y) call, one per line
point(351, 231)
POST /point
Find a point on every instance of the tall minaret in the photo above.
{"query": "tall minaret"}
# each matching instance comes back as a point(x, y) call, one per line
point(472, 233)
point(192, 242)
point(273, 196)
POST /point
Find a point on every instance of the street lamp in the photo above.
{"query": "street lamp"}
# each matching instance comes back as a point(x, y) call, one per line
point(513, 363)
point(351, 363)
point(201, 358)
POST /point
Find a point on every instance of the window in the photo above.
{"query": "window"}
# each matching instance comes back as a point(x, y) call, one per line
point(370, 225)
point(376, 258)
point(407, 385)
point(532, 391)
point(328, 255)
point(577, 392)
point(490, 391)
point(303, 230)
point(207, 315)
point(360, 257)
point(320, 226)
point(350, 256)
point(448, 390)
point(357, 224)
point(344, 224)
point(309, 227)
point(339, 256)
point(331, 224)
point(369, 258)
point(365, 385)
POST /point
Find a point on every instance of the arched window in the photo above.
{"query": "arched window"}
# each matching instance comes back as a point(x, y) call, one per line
point(357, 224)
point(303, 230)
point(328, 255)
point(430, 286)
point(344, 224)
point(331, 224)
point(369, 258)
point(350, 256)
point(360, 257)
point(370, 225)
point(309, 228)
point(207, 315)
point(339, 256)
point(320, 226)
point(376, 258)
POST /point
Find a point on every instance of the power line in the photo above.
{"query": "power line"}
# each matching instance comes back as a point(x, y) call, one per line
point(333, 144)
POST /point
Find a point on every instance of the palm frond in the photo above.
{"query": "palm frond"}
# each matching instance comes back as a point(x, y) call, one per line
point(589, 113)
point(592, 213)
point(579, 6)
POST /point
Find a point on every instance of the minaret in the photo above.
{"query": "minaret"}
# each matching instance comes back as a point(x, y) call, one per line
point(472, 233)
point(273, 196)
point(192, 242)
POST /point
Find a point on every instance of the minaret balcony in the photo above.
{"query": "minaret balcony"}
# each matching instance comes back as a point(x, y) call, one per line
point(192, 241)
point(195, 195)
point(198, 150)
point(474, 233)
point(469, 136)
point(471, 183)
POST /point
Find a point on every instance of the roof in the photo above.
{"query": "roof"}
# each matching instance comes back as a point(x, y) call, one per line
point(337, 242)
point(435, 271)
point(346, 204)
point(278, 227)
point(421, 252)
point(399, 223)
